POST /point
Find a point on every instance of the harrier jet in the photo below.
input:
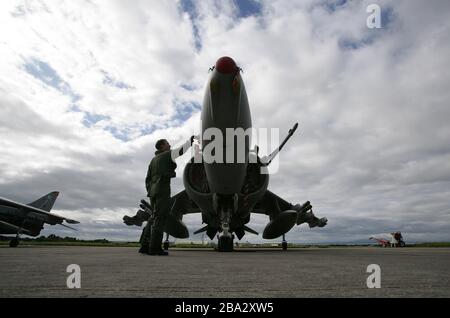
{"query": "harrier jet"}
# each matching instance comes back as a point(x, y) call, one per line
point(17, 218)
point(227, 193)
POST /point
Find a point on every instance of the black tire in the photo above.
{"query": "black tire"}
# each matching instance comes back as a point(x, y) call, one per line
point(14, 242)
point(225, 244)
point(166, 245)
point(284, 246)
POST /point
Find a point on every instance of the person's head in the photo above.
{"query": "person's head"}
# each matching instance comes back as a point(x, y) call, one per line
point(162, 145)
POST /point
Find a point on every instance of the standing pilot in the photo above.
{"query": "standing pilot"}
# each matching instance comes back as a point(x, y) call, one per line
point(160, 171)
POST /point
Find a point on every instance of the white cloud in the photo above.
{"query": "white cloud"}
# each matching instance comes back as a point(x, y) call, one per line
point(372, 148)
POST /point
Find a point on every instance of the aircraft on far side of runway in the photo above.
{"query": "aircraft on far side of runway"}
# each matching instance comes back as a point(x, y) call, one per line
point(394, 239)
point(17, 218)
point(382, 241)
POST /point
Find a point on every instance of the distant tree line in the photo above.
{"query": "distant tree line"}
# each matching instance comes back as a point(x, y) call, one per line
point(55, 238)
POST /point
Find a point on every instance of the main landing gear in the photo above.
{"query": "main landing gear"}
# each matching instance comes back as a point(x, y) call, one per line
point(166, 243)
point(284, 244)
point(14, 242)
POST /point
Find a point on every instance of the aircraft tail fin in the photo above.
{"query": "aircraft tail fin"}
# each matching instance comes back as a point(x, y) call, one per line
point(46, 202)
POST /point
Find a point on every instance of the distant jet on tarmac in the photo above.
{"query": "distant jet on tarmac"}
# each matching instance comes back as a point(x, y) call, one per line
point(227, 193)
point(17, 218)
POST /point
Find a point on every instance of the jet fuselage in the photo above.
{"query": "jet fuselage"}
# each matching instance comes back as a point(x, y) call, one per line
point(225, 186)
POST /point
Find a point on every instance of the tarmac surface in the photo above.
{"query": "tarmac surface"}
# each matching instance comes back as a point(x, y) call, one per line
point(307, 272)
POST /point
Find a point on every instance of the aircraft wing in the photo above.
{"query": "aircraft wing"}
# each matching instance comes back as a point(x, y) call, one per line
point(181, 204)
point(50, 218)
point(271, 204)
point(8, 228)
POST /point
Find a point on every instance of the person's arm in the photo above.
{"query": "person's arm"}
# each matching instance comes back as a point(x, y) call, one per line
point(182, 149)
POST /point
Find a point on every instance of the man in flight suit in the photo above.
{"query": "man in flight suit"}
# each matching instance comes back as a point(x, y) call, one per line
point(160, 171)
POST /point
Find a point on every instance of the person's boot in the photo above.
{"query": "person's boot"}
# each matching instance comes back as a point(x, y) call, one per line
point(145, 240)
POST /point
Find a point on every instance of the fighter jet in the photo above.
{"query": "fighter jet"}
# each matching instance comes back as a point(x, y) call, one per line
point(226, 194)
point(17, 218)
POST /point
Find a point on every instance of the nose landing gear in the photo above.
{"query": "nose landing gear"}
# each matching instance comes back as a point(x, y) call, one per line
point(225, 239)
point(225, 243)
point(226, 205)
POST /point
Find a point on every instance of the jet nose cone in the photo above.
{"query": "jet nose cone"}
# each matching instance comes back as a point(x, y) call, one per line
point(226, 65)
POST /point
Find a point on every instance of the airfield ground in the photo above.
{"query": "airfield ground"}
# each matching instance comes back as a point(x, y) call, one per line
point(40, 271)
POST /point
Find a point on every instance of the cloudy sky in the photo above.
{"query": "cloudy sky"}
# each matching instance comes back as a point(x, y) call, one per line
point(87, 87)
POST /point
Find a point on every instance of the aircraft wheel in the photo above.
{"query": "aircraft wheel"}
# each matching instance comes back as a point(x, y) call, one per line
point(225, 244)
point(14, 242)
point(166, 245)
point(284, 245)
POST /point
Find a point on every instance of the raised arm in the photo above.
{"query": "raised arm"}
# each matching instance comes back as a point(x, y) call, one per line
point(177, 152)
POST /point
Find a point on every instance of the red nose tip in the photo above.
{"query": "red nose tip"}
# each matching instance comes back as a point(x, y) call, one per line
point(226, 65)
